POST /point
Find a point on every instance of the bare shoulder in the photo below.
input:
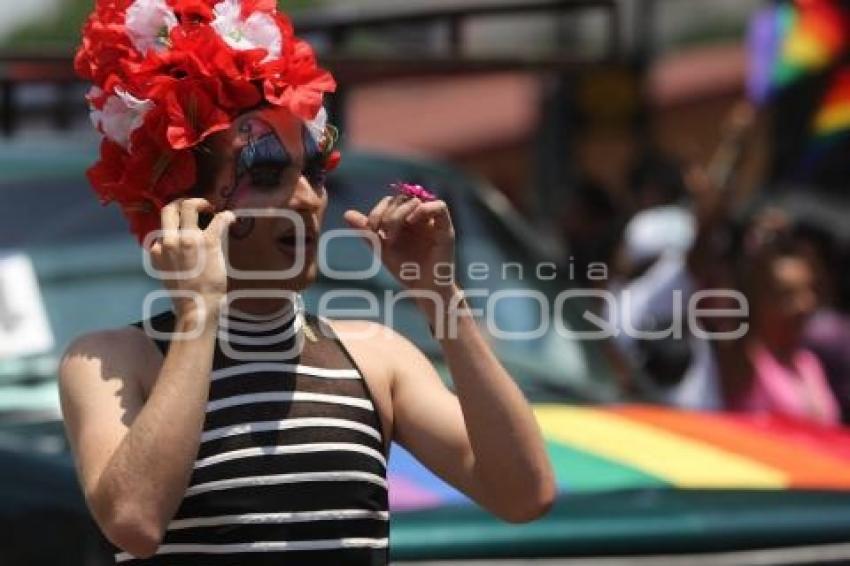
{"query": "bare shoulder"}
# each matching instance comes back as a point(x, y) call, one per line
point(372, 338)
point(120, 339)
point(379, 346)
point(126, 354)
point(101, 390)
point(366, 331)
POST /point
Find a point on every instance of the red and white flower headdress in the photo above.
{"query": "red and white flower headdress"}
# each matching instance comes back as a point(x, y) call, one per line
point(169, 73)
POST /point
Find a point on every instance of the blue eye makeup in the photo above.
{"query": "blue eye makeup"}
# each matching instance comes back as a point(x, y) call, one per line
point(264, 160)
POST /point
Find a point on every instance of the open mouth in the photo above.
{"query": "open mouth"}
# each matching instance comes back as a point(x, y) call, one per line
point(291, 241)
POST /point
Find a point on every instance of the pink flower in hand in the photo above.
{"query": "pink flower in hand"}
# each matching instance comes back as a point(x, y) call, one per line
point(413, 191)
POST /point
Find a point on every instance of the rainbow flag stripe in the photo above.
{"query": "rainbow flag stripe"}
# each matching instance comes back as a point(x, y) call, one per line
point(814, 35)
point(792, 39)
point(833, 116)
point(597, 449)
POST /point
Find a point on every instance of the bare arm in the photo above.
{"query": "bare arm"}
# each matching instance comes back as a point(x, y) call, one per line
point(485, 440)
point(497, 453)
point(135, 455)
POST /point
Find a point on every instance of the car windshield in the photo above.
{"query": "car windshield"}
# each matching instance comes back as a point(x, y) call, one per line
point(90, 276)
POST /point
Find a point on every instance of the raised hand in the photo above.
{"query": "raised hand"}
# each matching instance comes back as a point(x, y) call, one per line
point(191, 260)
point(417, 240)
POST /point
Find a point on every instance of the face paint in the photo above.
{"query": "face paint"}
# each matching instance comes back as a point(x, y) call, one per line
point(243, 226)
point(260, 162)
point(314, 160)
point(263, 157)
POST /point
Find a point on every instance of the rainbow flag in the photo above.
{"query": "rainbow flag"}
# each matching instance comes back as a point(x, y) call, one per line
point(605, 449)
point(833, 115)
point(792, 39)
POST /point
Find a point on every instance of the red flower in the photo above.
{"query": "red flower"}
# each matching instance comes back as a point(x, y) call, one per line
point(173, 173)
point(297, 83)
point(153, 176)
point(287, 32)
point(97, 99)
point(333, 160)
point(104, 48)
point(193, 11)
point(251, 6)
point(205, 44)
point(160, 72)
point(107, 175)
point(192, 116)
point(196, 85)
point(232, 70)
point(111, 11)
point(105, 42)
point(162, 170)
point(143, 182)
point(142, 221)
point(237, 95)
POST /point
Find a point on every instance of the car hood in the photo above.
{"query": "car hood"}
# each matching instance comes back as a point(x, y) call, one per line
point(642, 479)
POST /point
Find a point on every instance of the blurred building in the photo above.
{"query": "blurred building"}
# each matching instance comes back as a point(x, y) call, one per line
point(675, 79)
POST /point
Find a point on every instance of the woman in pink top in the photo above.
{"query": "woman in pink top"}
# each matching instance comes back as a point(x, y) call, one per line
point(769, 371)
point(797, 388)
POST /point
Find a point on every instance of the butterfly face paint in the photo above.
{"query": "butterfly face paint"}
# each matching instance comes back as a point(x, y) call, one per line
point(271, 153)
point(260, 164)
point(267, 161)
point(263, 158)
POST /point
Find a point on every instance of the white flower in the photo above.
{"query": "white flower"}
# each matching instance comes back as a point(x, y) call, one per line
point(317, 125)
point(95, 115)
point(121, 115)
point(148, 24)
point(93, 94)
point(258, 31)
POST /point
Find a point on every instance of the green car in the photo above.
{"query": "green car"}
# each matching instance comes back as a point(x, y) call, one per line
point(635, 480)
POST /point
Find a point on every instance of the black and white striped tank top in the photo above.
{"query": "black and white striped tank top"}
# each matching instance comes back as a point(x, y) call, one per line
point(291, 466)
